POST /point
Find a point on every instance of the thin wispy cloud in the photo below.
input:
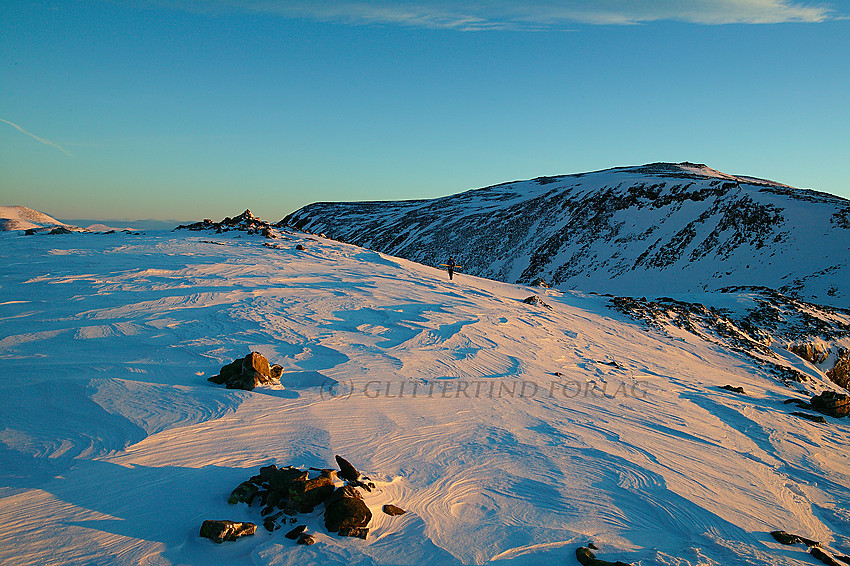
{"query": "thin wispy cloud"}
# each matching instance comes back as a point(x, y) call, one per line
point(42, 140)
point(474, 15)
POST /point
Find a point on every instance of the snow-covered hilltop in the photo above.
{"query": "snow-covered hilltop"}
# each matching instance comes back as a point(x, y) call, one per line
point(650, 230)
point(23, 218)
point(511, 433)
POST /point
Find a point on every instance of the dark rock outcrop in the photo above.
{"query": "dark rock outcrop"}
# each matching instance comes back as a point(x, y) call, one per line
point(732, 388)
point(220, 531)
point(789, 539)
point(306, 539)
point(832, 404)
point(245, 373)
point(393, 510)
point(245, 222)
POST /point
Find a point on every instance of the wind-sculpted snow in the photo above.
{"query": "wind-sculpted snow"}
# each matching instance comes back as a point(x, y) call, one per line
point(510, 432)
point(649, 230)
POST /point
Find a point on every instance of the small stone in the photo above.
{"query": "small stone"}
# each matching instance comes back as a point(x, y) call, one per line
point(270, 524)
point(306, 539)
point(733, 389)
point(393, 510)
point(296, 532)
point(299, 247)
point(276, 371)
point(355, 532)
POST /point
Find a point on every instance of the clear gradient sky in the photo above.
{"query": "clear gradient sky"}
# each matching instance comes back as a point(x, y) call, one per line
point(188, 109)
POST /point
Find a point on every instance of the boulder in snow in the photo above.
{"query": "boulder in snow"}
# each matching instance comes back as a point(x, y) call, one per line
point(832, 404)
point(220, 531)
point(345, 509)
point(393, 510)
point(245, 373)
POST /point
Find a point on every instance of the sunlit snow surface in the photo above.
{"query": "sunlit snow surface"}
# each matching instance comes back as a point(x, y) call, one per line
point(114, 447)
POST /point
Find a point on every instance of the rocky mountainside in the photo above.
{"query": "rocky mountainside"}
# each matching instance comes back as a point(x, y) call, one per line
point(655, 229)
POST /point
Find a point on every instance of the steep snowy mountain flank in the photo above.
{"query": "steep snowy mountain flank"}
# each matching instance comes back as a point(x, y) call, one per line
point(669, 431)
point(650, 230)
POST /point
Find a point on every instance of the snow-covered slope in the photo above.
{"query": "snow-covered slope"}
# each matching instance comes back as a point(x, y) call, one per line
point(650, 230)
point(512, 433)
point(23, 218)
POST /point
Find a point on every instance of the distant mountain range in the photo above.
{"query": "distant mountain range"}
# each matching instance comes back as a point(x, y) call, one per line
point(648, 230)
point(22, 218)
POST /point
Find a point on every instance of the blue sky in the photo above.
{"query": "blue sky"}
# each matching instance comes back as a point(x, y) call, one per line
point(200, 108)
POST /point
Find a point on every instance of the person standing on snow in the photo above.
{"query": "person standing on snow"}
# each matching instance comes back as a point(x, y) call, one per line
point(451, 267)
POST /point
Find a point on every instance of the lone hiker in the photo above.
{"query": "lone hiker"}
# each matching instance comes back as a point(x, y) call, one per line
point(450, 267)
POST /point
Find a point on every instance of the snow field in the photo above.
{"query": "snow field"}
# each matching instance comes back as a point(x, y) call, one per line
point(114, 447)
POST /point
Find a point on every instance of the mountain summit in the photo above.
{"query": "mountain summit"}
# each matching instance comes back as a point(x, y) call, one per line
point(652, 229)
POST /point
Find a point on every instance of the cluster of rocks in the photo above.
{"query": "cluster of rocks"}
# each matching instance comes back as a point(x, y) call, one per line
point(248, 372)
point(245, 222)
point(285, 492)
point(50, 231)
point(814, 547)
point(814, 353)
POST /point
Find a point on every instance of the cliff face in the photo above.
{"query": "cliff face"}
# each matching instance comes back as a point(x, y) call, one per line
point(654, 229)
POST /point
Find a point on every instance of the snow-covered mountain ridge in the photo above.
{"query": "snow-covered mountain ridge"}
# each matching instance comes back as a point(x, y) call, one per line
point(649, 230)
